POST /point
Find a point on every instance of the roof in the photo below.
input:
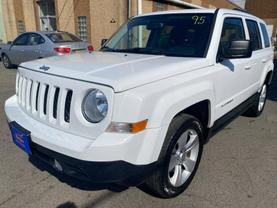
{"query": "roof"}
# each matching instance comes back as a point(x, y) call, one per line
point(181, 11)
point(195, 11)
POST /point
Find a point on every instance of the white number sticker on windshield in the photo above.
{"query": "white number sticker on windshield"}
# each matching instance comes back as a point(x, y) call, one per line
point(198, 20)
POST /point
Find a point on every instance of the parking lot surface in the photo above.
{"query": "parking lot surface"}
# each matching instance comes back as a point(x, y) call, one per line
point(238, 169)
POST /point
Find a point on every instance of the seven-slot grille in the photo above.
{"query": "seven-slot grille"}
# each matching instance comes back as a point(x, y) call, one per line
point(43, 100)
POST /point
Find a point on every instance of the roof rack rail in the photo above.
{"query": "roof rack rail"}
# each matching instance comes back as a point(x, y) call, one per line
point(241, 10)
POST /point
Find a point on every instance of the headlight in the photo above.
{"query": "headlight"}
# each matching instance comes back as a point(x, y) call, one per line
point(95, 106)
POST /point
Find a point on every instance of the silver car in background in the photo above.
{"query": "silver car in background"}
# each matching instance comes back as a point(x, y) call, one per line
point(35, 45)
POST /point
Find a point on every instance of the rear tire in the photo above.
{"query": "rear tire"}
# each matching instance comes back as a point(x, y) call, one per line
point(257, 109)
point(179, 157)
point(6, 61)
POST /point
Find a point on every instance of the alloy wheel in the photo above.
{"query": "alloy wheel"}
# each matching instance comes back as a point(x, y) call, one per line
point(183, 158)
point(6, 61)
point(262, 98)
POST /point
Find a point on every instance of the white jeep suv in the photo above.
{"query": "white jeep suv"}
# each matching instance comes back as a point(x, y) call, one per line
point(139, 110)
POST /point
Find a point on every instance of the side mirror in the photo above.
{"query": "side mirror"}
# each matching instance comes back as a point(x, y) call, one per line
point(103, 41)
point(237, 49)
point(9, 42)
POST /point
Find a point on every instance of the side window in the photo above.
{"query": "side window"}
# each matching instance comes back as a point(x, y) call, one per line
point(254, 34)
point(35, 39)
point(21, 40)
point(265, 35)
point(232, 30)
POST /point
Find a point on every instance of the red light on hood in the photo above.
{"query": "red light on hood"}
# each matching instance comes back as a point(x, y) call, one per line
point(90, 48)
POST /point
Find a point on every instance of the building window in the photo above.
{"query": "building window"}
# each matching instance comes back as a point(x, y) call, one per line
point(20, 27)
point(82, 28)
point(47, 15)
point(159, 6)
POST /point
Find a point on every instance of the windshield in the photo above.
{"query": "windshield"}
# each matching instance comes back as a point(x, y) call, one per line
point(183, 35)
point(59, 37)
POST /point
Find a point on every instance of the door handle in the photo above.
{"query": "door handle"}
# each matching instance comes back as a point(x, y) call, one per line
point(264, 60)
point(247, 67)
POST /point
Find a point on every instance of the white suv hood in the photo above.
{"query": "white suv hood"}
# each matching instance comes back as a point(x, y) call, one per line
point(120, 71)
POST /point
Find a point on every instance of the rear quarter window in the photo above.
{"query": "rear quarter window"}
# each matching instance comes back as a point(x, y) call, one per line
point(254, 33)
point(265, 35)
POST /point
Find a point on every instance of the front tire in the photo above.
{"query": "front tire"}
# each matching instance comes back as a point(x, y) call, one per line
point(6, 61)
point(180, 157)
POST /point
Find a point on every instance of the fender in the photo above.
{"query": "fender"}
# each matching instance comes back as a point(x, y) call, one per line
point(162, 102)
point(178, 100)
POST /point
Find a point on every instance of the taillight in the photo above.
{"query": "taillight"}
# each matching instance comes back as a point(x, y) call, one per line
point(90, 48)
point(63, 50)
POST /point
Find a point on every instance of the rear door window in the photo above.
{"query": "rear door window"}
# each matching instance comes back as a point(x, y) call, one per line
point(35, 39)
point(254, 34)
point(265, 35)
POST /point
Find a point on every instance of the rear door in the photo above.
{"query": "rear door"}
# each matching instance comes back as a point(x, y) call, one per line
point(267, 55)
point(255, 68)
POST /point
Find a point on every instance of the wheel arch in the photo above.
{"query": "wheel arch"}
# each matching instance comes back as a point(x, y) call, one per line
point(200, 110)
point(3, 53)
point(267, 74)
point(269, 77)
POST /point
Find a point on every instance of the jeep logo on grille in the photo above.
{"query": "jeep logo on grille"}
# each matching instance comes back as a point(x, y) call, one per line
point(44, 68)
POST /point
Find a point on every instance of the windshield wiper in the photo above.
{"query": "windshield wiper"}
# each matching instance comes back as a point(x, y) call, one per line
point(134, 50)
point(141, 51)
point(106, 48)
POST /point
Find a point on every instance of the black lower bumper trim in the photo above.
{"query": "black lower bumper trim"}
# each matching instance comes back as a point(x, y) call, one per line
point(119, 172)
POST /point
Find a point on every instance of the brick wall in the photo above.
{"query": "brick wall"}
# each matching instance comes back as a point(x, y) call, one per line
point(106, 17)
point(218, 4)
point(29, 14)
point(265, 9)
point(103, 17)
point(262, 8)
point(9, 19)
point(65, 15)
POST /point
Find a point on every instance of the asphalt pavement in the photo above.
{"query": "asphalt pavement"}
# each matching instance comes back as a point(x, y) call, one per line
point(238, 170)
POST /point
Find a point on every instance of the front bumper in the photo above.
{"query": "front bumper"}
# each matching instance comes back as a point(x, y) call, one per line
point(119, 172)
point(110, 157)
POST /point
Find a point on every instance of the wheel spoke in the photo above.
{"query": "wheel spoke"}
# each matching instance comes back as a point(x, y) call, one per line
point(262, 98)
point(177, 177)
point(183, 157)
point(183, 140)
point(193, 141)
point(189, 164)
point(173, 162)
